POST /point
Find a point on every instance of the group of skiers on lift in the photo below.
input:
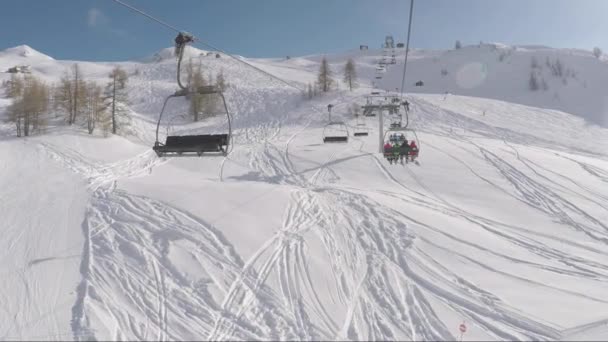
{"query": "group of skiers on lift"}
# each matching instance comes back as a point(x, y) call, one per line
point(397, 149)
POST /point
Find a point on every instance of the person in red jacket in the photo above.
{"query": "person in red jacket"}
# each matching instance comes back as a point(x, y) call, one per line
point(413, 150)
point(388, 152)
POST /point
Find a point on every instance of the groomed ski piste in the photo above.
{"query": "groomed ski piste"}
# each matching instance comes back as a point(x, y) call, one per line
point(503, 226)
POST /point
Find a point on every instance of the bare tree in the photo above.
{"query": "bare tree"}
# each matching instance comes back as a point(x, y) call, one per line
point(196, 100)
point(220, 81)
point(350, 74)
point(13, 89)
point(62, 99)
point(557, 68)
point(324, 79)
point(116, 98)
point(534, 63)
point(95, 106)
point(78, 100)
point(533, 82)
point(28, 106)
point(39, 104)
point(502, 55)
point(79, 93)
point(70, 95)
point(597, 52)
point(544, 84)
point(189, 73)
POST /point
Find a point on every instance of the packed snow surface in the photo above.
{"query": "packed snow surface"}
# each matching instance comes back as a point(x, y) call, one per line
point(503, 225)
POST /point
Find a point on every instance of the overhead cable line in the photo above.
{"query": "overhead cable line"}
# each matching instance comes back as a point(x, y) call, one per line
point(407, 46)
point(196, 40)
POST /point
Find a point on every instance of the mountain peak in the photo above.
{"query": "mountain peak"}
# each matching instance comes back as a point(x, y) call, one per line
point(24, 51)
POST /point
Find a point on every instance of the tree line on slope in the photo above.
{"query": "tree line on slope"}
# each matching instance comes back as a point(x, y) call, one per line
point(79, 101)
point(325, 81)
point(89, 105)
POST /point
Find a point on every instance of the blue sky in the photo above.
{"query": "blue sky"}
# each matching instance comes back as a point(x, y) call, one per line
point(103, 30)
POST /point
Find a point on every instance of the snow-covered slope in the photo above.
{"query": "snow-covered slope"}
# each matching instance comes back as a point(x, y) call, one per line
point(502, 226)
point(494, 71)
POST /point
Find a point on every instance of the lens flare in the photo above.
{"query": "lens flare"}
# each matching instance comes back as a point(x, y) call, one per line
point(471, 75)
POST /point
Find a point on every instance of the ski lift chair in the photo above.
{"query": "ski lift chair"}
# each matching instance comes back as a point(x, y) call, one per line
point(329, 132)
point(361, 134)
point(361, 129)
point(191, 144)
point(181, 145)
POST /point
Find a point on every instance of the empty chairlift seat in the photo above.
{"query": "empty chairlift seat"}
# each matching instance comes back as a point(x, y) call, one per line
point(193, 144)
point(335, 139)
point(335, 132)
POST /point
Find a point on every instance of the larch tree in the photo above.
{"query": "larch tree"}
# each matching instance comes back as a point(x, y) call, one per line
point(70, 96)
point(13, 89)
point(533, 81)
point(350, 74)
point(28, 108)
point(220, 81)
point(116, 98)
point(95, 106)
point(324, 79)
point(197, 101)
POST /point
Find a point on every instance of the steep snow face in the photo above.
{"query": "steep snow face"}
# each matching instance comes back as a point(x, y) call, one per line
point(502, 225)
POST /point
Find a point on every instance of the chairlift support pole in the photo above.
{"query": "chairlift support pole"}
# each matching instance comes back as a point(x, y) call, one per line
point(407, 110)
point(381, 131)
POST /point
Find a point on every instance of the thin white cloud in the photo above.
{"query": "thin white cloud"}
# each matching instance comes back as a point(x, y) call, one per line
point(95, 18)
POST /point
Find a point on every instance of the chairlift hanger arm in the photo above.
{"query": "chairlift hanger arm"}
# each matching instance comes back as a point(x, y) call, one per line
point(181, 41)
point(162, 111)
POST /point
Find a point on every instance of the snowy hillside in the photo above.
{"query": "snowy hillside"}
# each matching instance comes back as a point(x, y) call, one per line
point(502, 226)
point(499, 72)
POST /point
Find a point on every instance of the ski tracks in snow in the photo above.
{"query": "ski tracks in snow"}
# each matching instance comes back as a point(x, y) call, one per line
point(380, 284)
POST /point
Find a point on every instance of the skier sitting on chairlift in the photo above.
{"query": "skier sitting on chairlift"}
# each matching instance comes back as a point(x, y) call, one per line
point(396, 152)
point(388, 152)
point(413, 150)
point(404, 151)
